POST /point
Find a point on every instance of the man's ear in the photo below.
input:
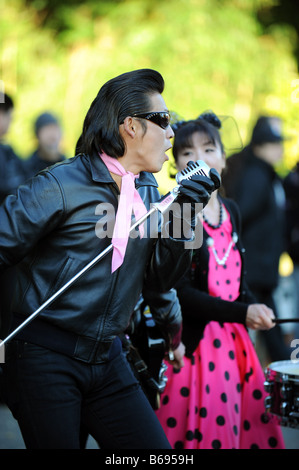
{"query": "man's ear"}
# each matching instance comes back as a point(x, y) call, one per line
point(129, 126)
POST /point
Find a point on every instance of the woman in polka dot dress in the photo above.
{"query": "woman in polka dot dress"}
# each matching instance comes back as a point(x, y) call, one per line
point(216, 401)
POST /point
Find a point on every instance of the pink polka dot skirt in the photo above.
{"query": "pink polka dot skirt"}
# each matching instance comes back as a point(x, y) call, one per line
point(216, 401)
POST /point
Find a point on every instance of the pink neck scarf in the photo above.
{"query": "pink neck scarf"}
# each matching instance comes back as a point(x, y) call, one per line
point(129, 201)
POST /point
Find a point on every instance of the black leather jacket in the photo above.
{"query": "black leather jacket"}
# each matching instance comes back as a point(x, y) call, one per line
point(48, 229)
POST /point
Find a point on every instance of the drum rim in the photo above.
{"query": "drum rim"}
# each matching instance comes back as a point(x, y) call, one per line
point(270, 368)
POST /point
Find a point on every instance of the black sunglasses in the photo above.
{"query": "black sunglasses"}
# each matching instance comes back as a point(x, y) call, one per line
point(161, 118)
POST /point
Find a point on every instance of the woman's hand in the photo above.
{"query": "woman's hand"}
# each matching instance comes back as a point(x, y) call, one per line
point(176, 357)
point(259, 317)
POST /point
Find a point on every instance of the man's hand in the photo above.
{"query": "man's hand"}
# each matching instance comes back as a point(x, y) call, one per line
point(176, 359)
point(198, 190)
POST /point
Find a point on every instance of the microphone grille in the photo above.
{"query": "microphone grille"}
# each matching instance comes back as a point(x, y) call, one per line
point(194, 168)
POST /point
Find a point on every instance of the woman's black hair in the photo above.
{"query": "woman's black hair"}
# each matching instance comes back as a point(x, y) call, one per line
point(118, 98)
point(207, 123)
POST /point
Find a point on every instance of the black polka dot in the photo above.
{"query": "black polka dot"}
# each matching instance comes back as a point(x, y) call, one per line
point(257, 394)
point(211, 366)
point(272, 442)
point(254, 446)
point(246, 425)
point(226, 375)
point(184, 392)
point(192, 360)
point(203, 412)
point(233, 335)
point(223, 397)
point(198, 435)
point(216, 444)
point(176, 371)
point(238, 388)
point(208, 388)
point(248, 374)
point(189, 436)
point(196, 410)
point(265, 418)
point(165, 400)
point(217, 343)
point(179, 445)
point(227, 281)
point(231, 355)
point(220, 420)
point(236, 408)
point(235, 430)
point(171, 422)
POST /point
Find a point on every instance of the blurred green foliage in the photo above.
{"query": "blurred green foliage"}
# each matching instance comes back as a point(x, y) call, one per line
point(213, 55)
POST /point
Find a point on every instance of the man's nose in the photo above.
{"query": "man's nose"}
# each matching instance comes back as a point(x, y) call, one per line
point(170, 133)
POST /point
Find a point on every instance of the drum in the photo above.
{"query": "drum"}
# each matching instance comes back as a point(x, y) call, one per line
point(282, 385)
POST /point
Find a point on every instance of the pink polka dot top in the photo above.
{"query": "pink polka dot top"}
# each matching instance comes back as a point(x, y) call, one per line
point(224, 261)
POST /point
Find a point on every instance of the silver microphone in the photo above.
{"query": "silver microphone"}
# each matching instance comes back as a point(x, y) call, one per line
point(194, 168)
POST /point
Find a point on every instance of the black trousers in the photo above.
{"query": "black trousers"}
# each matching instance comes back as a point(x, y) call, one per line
point(54, 397)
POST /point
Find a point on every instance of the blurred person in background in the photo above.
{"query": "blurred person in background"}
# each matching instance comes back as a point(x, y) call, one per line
point(49, 134)
point(252, 181)
point(11, 176)
point(216, 401)
point(11, 169)
point(291, 186)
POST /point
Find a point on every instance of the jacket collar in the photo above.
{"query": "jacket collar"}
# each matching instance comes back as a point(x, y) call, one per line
point(101, 174)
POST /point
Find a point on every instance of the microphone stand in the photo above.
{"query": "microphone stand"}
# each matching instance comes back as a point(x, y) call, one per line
point(198, 167)
point(160, 206)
